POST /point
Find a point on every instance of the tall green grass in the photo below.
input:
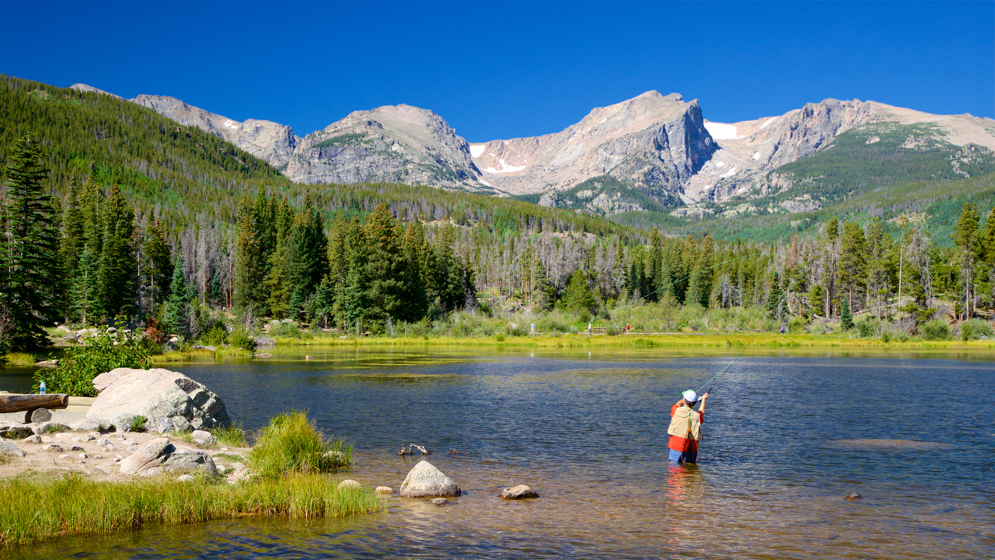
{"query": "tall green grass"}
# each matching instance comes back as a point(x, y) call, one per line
point(20, 359)
point(231, 435)
point(291, 444)
point(32, 510)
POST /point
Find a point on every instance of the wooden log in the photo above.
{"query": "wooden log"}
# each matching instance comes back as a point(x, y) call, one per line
point(20, 403)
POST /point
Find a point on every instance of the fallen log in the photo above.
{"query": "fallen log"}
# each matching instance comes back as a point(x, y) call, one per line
point(19, 403)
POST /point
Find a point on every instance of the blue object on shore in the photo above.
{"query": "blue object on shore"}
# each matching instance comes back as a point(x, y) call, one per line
point(41, 388)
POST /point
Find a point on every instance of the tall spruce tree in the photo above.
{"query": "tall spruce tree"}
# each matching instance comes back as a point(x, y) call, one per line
point(176, 315)
point(157, 268)
point(32, 247)
point(84, 292)
point(117, 267)
point(967, 236)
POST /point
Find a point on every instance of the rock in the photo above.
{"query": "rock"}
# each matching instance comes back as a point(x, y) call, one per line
point(441, 502)
point(185, 478)
point(122, 422)
point(238, 467)
point(199, 347)
point(102, 469)
point(520, 492)
point(129, 441)
point(165, 398)
point(854, 497)
point(308, 357)
point(53, 447)
point(106, 444)
point(384, 490)
point(89, 425)
point(264, 341)
point(15, 430)
point(84, 438)
point(49, 428)
point(262, 355)
point(39, 415)
point(82, 455)
point(8, 448)
point(48, 363)
point(159, 455)
point(33, 439)
point(349, 483)
point(203, 439)
point(426, 480)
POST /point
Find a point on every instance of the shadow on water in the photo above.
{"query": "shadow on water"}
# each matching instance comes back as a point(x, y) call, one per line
point(786, 437)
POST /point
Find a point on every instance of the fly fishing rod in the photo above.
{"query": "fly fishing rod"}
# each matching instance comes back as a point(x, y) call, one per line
point(715, 378)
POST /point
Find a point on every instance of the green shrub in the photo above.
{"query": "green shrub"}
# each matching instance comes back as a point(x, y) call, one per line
point(137, 424)
point(797, 325)
point(935, 330)
point(231, 435)
point(975, 329)
point(242, 339)
point(100, 354)
point(292, 444)
point(216, 336)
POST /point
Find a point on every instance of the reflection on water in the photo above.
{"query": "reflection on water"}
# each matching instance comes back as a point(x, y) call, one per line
point(785, 439)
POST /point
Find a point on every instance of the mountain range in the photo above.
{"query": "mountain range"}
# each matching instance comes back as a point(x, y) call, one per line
point(650, 153)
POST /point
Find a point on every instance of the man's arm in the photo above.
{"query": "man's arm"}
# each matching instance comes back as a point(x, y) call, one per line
point(701, 409)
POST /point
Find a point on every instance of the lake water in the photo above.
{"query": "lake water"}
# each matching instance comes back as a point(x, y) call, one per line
point(786, 437)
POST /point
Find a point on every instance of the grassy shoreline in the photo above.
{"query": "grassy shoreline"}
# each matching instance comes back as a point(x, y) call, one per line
point(74, 506)
point(656, 340)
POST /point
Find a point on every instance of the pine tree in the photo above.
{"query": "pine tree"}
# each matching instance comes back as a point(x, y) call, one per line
point(853, 259)
point(176, 316)
point(157, 268)
point(308, 256)
point(85, 289)
point(72, 243)
point(967, 237)
point(248, 268)
point(775, 297)
point(32, 248)
point(384, 268)
point(578, 295)
point(846, 321)
point(117, 266)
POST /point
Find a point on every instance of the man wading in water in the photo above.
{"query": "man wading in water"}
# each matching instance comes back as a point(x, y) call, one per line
point(685, 428)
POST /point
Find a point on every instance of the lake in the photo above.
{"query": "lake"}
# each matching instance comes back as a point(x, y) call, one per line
point(786, 437)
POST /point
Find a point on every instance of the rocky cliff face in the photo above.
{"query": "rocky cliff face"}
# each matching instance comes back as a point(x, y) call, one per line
point(652, 142)
point(270, 141)
point(401, 144)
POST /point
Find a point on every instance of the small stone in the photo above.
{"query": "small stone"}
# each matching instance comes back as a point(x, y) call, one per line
point(335, 458)
point(185, 478)
point(84, 438)
point(441, 502)
point(854, 497)
point(102, 469)
point(106, 444)
point(97, 457)
point(82, 456)
point(75, 448)
point(520, 492)
point(41, 415)
point(33, 439)
point(424, 480)
point(384, 490)
point(204, 438)
point(349, 483)
point(52, 447)
point(64, 456)
point(129, 441)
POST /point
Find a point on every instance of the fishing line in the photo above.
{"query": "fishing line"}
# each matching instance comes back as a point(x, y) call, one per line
point(715, 378)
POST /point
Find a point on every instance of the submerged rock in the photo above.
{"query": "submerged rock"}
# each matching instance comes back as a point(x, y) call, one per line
point(425, 480)
point(520, 492)
point(441, 502)
point(384, 490)
point(854, 497)
point(349, 483)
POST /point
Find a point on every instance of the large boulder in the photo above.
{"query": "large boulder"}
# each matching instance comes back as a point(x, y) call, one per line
point(8, 448)
point(158, 456)
point(426, 480)
point(169, 401)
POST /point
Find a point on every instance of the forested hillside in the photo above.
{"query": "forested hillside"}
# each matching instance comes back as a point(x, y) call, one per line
point(110, 210)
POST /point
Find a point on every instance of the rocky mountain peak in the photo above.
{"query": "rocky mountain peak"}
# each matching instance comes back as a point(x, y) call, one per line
point(84, 87)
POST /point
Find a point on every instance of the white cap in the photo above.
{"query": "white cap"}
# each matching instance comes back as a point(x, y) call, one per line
point(690, 396)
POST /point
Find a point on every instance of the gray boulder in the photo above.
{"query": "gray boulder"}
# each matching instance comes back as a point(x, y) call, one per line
point(49, 428)
point(203, 439)
point(122, 422)
point(169, 401)
point(158, 456)
point(8, 448)
point(91, 425)
point(426, 480)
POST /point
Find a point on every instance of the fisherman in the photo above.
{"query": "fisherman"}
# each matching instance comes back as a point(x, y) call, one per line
point(685, 428)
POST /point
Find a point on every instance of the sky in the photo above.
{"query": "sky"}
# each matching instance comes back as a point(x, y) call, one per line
point(497, 70)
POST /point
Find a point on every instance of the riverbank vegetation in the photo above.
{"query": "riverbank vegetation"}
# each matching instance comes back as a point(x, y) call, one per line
point(289, 463)
point(210, 270)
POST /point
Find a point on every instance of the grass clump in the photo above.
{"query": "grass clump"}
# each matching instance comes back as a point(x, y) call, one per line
point(231, 435)
point(291, 444)
point(935, 330)
point(975, 329)
point(20, 359)
point(37, 510)
point(138, 424)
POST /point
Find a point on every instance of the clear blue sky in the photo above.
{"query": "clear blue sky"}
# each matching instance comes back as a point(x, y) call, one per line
point(507, 69)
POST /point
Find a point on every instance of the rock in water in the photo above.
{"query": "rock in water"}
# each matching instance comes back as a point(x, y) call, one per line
point(168, 400)
point(349, 483)
point(520, 492)
point(7, 448)
point(441, 502)
point(384, 490)
point(158, 455)
point(854, 497)
point(426, 480)
point(41, 415)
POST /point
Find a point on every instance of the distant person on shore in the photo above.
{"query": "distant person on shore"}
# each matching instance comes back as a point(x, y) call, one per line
point(685, 428)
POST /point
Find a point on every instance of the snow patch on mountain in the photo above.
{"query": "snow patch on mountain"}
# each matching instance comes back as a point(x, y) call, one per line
point(721, 131)
point(477, 150)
